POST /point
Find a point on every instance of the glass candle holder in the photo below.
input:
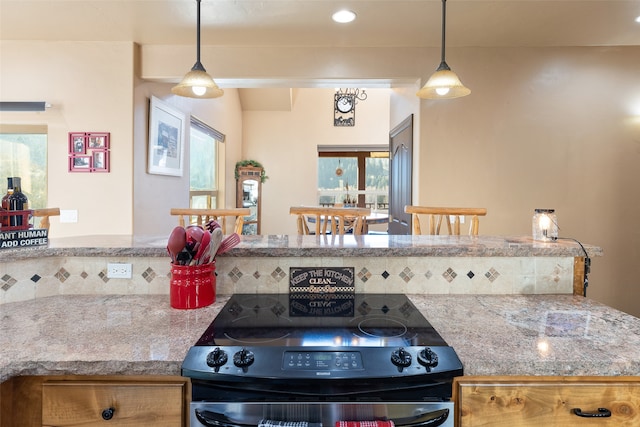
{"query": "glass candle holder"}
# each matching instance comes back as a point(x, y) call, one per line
point(545, 225)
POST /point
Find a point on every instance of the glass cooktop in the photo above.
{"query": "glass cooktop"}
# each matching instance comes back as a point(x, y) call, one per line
point(347, 320)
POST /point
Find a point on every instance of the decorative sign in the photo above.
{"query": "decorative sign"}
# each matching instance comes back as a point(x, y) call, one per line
point(321, 280)
point(24, 238)
point(321, 291)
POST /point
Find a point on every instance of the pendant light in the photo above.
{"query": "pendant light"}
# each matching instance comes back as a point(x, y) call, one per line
point(197, 83)
point(444, 83)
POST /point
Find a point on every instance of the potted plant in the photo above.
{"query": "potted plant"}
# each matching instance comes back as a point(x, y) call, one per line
point(244, 163)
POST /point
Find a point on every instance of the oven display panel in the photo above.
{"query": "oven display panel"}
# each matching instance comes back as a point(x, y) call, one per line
point(322, 361)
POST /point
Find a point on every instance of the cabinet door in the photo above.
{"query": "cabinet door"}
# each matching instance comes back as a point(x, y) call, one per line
point(85, 403)
point(547, 401)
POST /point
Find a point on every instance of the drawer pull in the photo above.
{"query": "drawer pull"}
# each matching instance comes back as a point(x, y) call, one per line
point(107, 414)
point(602, 413)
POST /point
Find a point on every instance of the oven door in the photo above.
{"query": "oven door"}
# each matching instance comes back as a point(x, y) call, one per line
point(319, 414)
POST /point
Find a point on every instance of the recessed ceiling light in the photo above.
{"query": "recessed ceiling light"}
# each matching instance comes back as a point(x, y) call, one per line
point(343, 16)
point(638, 19)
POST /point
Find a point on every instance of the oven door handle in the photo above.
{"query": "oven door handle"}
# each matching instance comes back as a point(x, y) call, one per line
point(213, 419)
point(429, 419)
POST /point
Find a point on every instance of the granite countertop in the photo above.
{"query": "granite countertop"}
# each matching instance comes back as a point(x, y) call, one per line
point(142, 334)
point(315, 246)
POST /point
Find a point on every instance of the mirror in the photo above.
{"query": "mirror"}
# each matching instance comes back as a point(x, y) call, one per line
point(248, 195)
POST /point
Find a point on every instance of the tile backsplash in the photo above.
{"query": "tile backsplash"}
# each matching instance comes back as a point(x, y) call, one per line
point(36, 278)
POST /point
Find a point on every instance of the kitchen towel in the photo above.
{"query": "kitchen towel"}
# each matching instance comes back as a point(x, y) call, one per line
point(274, 423)
point(377, 423)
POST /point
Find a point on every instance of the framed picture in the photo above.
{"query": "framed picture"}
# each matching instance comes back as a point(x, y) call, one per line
point(80, 164)
point(100, 161)
point(167, 127)
point(98, 140)
point(77, 143)
point(89, 151)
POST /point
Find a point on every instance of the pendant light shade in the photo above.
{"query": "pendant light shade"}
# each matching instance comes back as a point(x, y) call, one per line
point(444, 83)
point(197, 83)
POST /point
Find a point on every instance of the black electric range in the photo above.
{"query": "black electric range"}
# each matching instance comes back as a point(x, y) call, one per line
point(320, 358)
point(308, 343)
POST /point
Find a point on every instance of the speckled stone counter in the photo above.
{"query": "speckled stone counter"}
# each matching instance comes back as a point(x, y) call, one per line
point(493, 335)
point(401, 264)
point(314, 246)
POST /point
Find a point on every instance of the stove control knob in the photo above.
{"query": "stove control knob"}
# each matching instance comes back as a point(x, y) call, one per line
point(243, 358)
point(401, 357)
point(428, 358)
point(217, 358)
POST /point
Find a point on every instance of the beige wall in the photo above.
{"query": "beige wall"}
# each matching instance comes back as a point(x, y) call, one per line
point(543, 127)
point(93, 88)
point(285, 143)
point(155, 195)
point(90, 87)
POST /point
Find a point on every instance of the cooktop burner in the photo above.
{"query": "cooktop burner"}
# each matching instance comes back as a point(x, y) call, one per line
point(345, 320)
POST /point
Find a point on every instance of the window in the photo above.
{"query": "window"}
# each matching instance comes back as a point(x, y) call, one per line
point(203, 165)
point(356, 176)
point(23, 153)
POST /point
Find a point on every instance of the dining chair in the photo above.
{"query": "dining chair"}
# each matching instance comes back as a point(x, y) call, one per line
point(334, 220)
point(44, 215)
point(189, 216)
point(437, 214)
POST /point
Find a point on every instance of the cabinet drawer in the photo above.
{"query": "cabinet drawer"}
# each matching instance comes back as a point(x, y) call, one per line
point(81, 403)
point(546, 401)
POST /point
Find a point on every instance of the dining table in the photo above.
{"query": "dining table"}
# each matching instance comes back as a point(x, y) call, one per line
point(371, 219)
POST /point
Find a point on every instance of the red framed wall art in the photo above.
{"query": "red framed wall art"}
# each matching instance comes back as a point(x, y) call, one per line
point(89, 151)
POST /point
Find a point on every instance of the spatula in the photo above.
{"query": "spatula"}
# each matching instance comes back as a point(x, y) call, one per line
point(216, 240)
point(177, 242)
point(204, 248)
point(229, 242)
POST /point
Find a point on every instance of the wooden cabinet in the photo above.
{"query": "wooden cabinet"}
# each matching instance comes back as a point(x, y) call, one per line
point(546, 401)
point(81, 401)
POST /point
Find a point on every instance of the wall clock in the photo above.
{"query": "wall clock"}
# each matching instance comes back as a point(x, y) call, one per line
point(344, 111)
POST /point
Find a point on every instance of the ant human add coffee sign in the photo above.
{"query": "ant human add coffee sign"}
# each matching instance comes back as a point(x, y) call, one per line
point(23, 238)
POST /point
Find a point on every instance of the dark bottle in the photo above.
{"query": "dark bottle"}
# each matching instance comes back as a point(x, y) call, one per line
point(17, 202)
point(4, 218)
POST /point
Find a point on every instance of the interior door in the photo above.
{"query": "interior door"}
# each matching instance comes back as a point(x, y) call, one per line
point(400, 173)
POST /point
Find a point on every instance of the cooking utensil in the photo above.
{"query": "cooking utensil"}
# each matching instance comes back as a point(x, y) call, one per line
point(216, 240)
point(177, 242)
point(183, 257)
point(194, 236)
point(212, 225)
point(204, 249)
point(229, 242)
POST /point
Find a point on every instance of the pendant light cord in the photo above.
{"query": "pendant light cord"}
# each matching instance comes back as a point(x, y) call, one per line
point(444, 20)
point(198, 34)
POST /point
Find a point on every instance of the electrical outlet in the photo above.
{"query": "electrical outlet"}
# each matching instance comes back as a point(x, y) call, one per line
point(68, 216)
point(119, 271)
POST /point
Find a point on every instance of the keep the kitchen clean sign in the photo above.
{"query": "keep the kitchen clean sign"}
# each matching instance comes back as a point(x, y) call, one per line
point(24, 238)
point(321, 280)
